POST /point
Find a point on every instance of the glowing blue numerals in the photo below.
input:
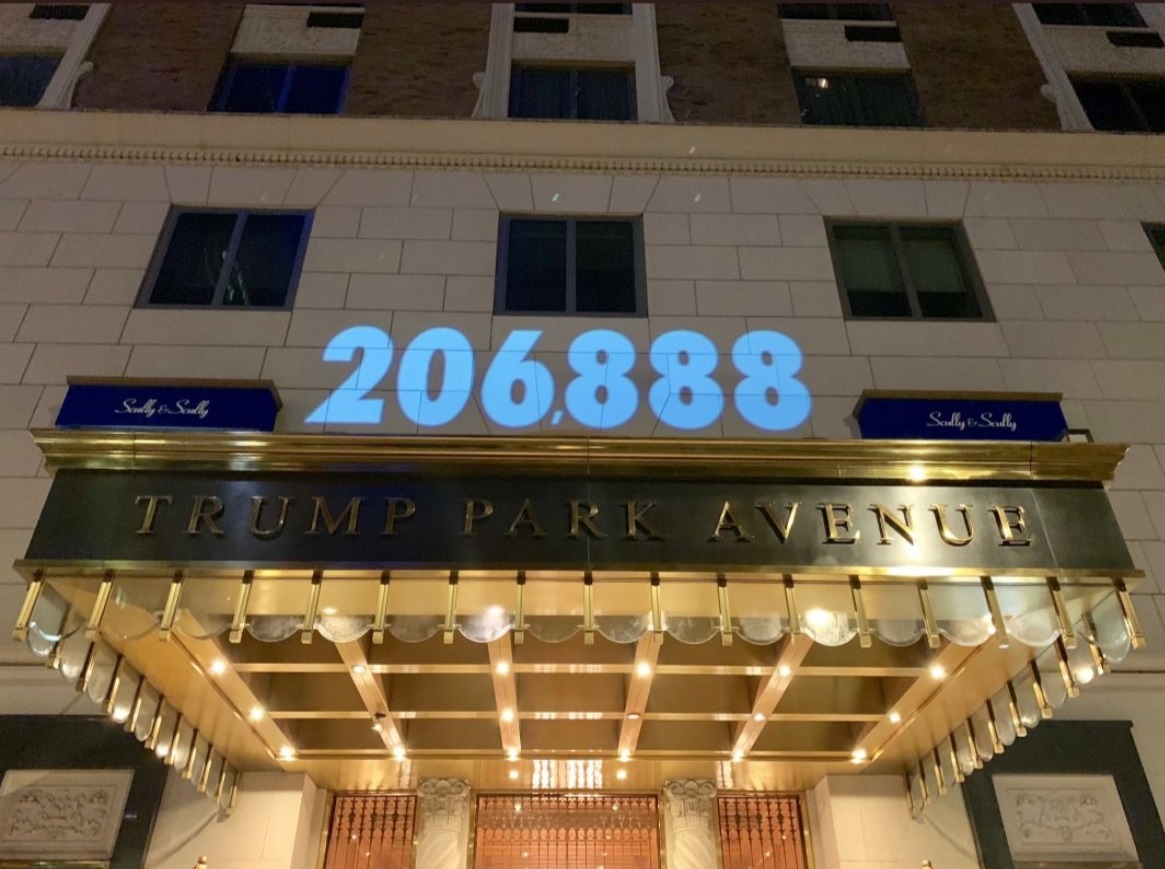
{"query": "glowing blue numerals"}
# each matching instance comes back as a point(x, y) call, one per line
point(436, 380)
point(770, 396)
point(602, 396)
point(685, 396)
point(347, 403)
point(517, 391)
point(416, 367)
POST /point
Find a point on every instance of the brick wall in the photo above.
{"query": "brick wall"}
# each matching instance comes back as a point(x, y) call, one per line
point(159, 57)
point(418, 60)
point(974, 67)
point(728, 62)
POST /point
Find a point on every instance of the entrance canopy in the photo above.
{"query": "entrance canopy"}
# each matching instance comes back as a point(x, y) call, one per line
point(563, 613)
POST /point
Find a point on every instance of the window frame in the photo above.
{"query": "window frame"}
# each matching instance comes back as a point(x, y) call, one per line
point(571, 305)
point(1080, 9)
point(967, 265)
point(227, 79)
point(149, 281)
point(1156, 234)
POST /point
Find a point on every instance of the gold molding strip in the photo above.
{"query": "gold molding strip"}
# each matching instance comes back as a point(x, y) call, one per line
point(377, 142)
point(31, 596)
point(170, 612)
point(751, 460)
point(381, 608)
point(93, 626)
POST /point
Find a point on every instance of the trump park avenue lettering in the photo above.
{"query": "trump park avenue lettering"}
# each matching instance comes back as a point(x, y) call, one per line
point(629, 520)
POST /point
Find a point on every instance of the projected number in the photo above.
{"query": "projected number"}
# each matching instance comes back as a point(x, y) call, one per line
point(769, 396)
point(517, 391)
point(685, 396)
point(348, 402)
point(416, 364)
point(601, 396)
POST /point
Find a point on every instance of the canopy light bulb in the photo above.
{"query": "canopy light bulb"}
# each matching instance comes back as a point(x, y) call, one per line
point(644, 669)
point(625, 755)
point(895, 717)
point(784, 671)
point(859, 755)
point(513, 775)
point(287, 752)
point(760, 716)
point(502, 669)
point(621, 774)
point(359, 668)
point(218, 667)
point(937, 671)
point(512, 753)
point(507, 715)
point(737, 756)
point(256, 713)
point(633, 716)
point(398, 752)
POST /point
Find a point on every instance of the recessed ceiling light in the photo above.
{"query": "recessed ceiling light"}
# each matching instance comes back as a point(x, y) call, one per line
point(625, 755)
point(256, 713)
point(287, 752)
point(502, 668)
point(507, 715)
point(399, 752)
point(737, 756)
point(359, 668)
point(937, 671)
point(512, 753)
point(329, 610)
point(218, 667)
point(760, 716)
point(859, 755)
point(644, 669)
point(633, 716)
point(895, 718)
point(784, 671)
point(621, 774)
point(513, 775)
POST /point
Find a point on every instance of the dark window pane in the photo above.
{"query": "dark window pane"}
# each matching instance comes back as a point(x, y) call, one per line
point(887, 101)
point(536, 266)
point(1108, 106)
point(932, 256)
point(252, 88)
point(576, 8)
point(1113, 15)
point(863, 12)
point(1150, 99)
point(23, 79)
point(59, 11)
point(1157, 237)
point(316, 90)
point(1059, 13)
point(826, 100)
point(869, 270)
point(262, 270)
point(540, 93)
point(336, 20)
point(606, 267)
point(605, 96)
point(194, 259)
point(810, 11)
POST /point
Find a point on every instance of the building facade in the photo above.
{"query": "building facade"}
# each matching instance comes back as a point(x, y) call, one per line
point(533, 274)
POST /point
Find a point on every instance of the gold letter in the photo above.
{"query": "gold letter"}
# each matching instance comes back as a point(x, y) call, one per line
point(784, 529)
point(577, 520)
point(257, 503)
point(833, 522)
point(351, 512)
point(945, 532)
point(1009, 527)
point(151, 502)
point(526, 519)
point(635, 521)
point(392, 515)
point(885, 517)
point(727, 522)
point(471, 515)
point(200, 513)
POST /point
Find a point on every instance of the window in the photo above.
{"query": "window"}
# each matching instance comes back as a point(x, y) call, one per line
point(1157, 237)
point(1129, 106)
point(570, 266)
point(265, 88)
point(858, 100)
point(575, 8)
point(1089, 14)
point(59, 12)
point(23, 79)
point(907, 271)
point(837, 11)
point(233, 259)
point(575, 94)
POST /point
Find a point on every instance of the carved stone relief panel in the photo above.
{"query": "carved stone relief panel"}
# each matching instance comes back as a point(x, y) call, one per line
point(62, 814)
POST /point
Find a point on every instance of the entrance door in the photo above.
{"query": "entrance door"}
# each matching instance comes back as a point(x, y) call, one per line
point(567, 831)
point(371, 831)
point(761, 831)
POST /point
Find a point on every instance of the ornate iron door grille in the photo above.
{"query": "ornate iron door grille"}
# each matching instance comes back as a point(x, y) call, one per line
point(371, 831)
point(557, 831)
point(761, 832)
